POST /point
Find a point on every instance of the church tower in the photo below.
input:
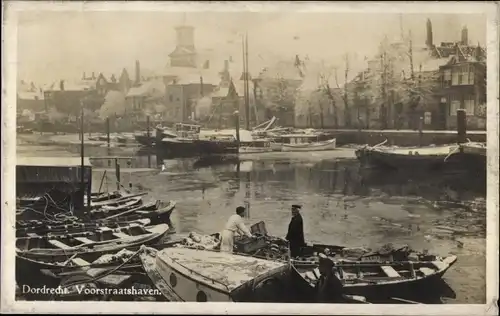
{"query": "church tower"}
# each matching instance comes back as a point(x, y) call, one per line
point(184, 54)
point(429, 41)
point(465, 36)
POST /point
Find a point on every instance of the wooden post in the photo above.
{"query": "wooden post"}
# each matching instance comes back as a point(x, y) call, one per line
point(420, 131)
point(461, 126)
point(108, 139)
point(247, 206)
point(237, 126)
point(89, 191)
point(82, 162)
point(117, 173)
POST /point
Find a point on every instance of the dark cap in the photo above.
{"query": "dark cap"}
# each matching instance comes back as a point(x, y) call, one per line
point(296, 206)
point(325, 261)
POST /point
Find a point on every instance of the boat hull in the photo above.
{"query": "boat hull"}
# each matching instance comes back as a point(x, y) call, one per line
point(384, 288)
point(195, 148)
point(195, 276)
point(92, 252)
point(317, 146)
point(389, 160)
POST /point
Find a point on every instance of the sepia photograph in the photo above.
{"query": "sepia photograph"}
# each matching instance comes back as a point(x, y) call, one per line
point(293, 154)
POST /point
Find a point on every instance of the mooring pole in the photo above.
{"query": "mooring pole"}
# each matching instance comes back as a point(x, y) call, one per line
point(420, 131)
point(117, 174)
point(237, 127)
point(108, 140)
point(82, 162)
point(461, 126)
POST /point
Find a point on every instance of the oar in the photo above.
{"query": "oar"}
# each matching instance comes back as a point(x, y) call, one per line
point(404, 300)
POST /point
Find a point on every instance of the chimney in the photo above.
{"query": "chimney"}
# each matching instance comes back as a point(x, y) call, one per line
point(429, 41)
point(83, 76)
point(93, 75)
point(478, 53)
point(226, 65)
point(465, 36)
point(137, 72)
point(61, 85)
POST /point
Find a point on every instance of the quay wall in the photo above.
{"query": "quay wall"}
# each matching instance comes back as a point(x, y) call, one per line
point(343, 136)
point(401, 137)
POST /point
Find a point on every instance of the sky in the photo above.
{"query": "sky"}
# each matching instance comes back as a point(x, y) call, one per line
point(54, 45)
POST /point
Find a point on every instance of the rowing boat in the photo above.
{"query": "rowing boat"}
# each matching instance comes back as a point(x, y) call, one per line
point(58, 229)
point(89, 245)
point(313, 146)
point(385, 279)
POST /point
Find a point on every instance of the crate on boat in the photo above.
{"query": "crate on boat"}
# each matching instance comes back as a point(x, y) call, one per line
point(259, 228)
point(249, 245)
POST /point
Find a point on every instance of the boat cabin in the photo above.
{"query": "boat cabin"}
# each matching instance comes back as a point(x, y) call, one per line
point(187, 130)
point(298, 138)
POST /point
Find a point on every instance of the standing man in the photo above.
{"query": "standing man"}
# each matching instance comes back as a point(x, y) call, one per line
point(295, 234)
point(234, 225)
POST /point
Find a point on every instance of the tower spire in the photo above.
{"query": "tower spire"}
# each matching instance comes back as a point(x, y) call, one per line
point(401, 26)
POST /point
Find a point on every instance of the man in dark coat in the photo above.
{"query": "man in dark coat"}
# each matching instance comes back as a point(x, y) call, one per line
point(329, 287)
point(295, 234)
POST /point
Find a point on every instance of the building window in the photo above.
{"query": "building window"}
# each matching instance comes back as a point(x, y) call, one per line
point(471, 74)
point(464, 75)
point(469, 105)
point(171, 98)
point(454, 105)
point(455, 77)
point(447, 77)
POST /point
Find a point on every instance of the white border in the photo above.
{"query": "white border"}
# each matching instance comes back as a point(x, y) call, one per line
point(8, 304)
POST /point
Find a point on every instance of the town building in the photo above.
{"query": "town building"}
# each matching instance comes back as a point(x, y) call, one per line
point(402, 86)
point(30, 97)
point(463, 81)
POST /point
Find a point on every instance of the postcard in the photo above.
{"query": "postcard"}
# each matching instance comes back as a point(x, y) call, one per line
point(317, 158)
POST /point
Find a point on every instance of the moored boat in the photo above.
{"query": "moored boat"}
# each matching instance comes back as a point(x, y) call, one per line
point(41, 229)
point(188, 275)
point(379, 279)
point(89, 245)
point(303, 142)
point(409, 158)
point(313, 146)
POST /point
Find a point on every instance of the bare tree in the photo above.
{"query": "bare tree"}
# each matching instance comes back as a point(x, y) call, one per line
point(345, 97)
point(326, 90)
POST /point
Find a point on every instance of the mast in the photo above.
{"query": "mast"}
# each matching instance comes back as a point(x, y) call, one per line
point(244, 42)
point(82, 160)
point(247, 86)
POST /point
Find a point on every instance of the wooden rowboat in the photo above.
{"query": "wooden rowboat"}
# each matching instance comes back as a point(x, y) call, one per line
point(314, 146)
point(407, 158)
point(89, 245)
point(61, 229)
point(385, 279)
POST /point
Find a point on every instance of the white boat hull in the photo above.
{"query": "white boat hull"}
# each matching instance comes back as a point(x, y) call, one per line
point(254, 150)
point(208, 276)
point(187, 288)
point(316, 146)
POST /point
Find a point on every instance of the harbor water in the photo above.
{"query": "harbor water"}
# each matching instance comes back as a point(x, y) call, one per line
point(343, 203)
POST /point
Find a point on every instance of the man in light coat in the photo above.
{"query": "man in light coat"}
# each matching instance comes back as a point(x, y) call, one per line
point(234, 225)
